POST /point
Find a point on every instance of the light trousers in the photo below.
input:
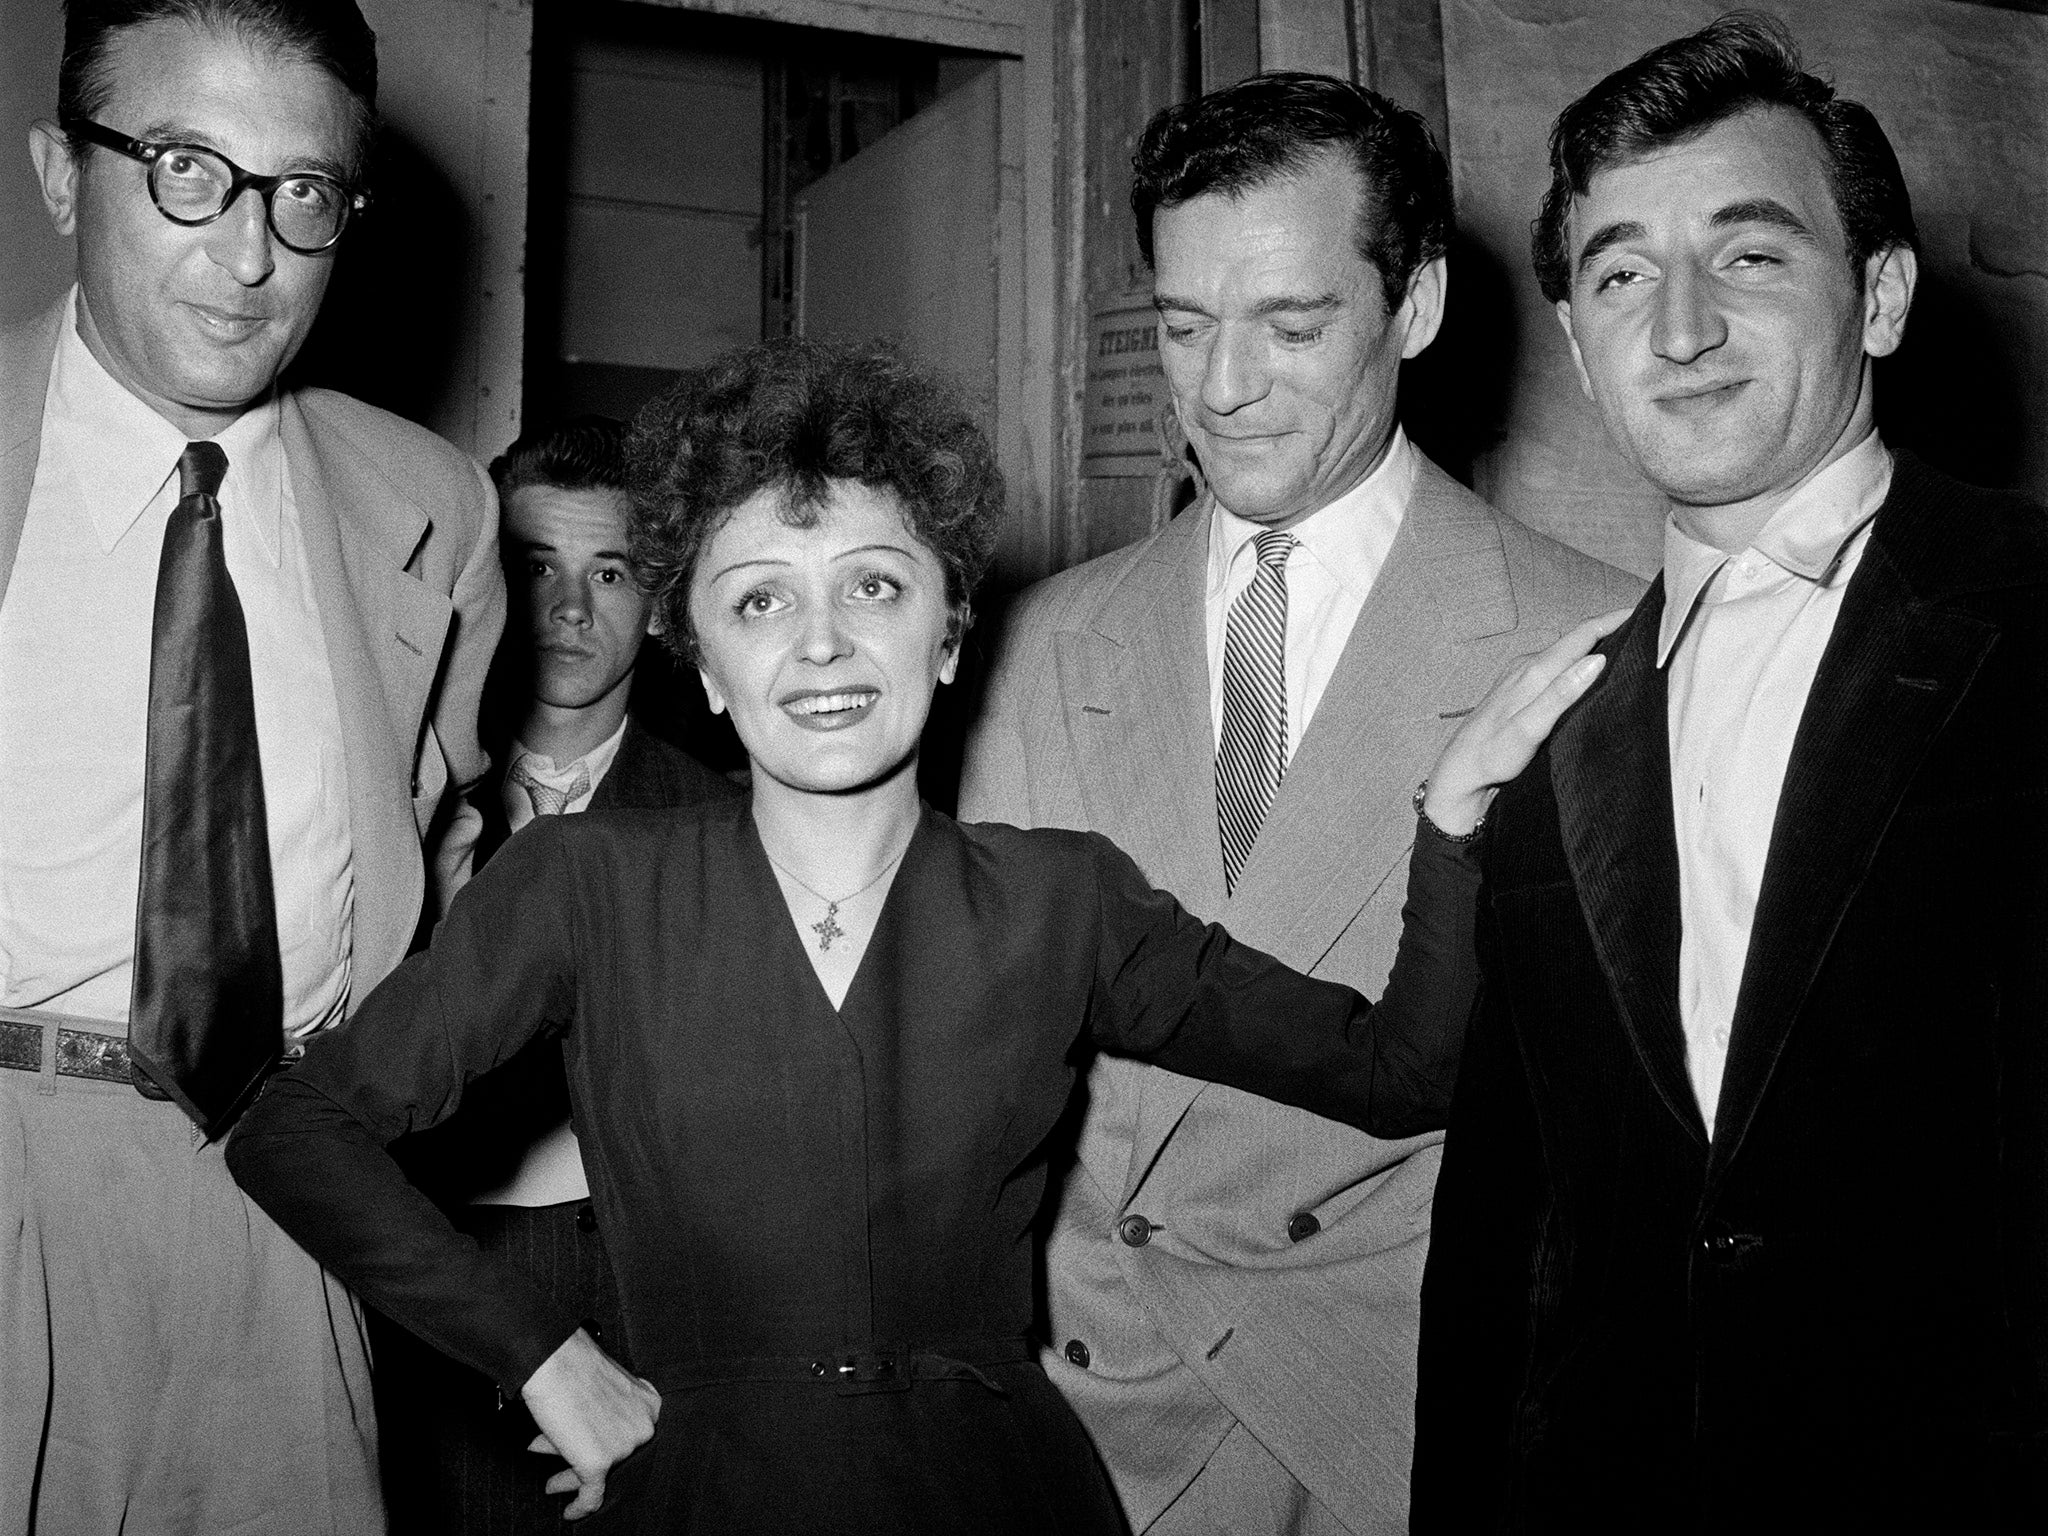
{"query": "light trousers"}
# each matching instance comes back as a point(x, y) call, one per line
point(171, 1364)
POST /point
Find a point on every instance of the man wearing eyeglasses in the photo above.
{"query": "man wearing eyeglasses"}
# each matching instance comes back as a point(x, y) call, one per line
point(243, 630)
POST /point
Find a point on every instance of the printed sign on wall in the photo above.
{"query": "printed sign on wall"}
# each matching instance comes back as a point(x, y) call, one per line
point(1126, 389)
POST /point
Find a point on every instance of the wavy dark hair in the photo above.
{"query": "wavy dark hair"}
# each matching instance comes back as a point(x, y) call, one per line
point(1270, 127)
point(328, 34)
point(795, 415)
point(584, 453)
point(1735, 64)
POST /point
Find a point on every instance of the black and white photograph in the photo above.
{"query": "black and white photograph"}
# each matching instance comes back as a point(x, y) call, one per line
point(1023, 767)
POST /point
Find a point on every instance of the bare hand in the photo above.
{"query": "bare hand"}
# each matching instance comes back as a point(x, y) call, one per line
point(1515, 718)
point(593, 1413)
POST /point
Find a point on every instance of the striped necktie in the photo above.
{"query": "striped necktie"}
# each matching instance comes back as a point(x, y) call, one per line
point(1253, 751)
point(548, 799)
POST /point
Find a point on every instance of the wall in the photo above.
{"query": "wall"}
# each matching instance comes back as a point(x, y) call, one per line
point(1135, 59)
point(35, 266)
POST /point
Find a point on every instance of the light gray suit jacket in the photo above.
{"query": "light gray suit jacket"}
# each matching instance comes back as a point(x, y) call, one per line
point(402, 535)
point(1098, 717)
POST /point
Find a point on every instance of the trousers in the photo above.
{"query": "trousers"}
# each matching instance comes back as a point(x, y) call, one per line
point(171, 1364)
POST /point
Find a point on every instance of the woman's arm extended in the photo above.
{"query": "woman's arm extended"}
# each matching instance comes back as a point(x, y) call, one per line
point(1186, 996)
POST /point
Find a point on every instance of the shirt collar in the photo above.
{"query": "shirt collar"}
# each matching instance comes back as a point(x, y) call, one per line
point(1807, 537)
point(119, 454)
point(1349, 538)
point(595, 763)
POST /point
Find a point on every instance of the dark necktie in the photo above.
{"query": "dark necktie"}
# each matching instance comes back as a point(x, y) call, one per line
point(1251, 755)
point(206, 1021)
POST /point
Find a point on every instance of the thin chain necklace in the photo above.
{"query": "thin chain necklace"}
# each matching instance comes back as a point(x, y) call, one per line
point(827, 927)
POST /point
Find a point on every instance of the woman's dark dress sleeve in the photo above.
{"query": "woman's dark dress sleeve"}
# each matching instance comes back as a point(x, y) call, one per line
point(1184, 995)
point(311, 1150)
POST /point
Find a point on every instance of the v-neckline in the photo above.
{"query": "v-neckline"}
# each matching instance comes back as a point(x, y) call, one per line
point(764, 875)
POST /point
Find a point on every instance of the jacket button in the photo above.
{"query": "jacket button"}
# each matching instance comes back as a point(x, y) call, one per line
point(1136, 1231)
point(1077, 1353)
point(1302, 1226)
point(586, 1217)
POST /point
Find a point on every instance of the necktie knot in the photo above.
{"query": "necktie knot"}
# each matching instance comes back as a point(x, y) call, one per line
point(1274, 546)
point(550, 799)
point(201, 468)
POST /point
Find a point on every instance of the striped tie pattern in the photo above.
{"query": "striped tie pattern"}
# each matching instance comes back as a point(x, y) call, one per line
point(1253, 752)
point(547, 799)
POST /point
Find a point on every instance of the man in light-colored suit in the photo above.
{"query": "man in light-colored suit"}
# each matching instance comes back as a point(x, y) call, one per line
point(1233, 1286)
point(169, 1360)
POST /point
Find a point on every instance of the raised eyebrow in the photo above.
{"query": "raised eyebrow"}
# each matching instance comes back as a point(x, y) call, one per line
point(1606, 238)
point(1767, 211)
point(742, 565)
point(181, 133)
point(869, 549)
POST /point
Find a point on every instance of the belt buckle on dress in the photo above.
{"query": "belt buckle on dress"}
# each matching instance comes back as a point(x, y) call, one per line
point(881, 1369)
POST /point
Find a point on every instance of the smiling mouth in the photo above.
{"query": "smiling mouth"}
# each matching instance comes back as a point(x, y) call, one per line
point(828, 711)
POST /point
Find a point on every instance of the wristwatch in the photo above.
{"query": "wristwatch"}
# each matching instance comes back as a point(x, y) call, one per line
point(1479, 826)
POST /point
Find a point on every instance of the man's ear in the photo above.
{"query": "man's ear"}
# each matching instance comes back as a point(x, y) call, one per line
point(1564, 320)
point(1889, 279)
point(56, 173)
point(1422, 311)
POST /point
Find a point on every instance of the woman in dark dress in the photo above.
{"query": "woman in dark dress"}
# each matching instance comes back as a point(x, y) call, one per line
point(819, 1041)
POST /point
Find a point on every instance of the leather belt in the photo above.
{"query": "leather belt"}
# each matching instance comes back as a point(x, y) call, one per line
point(88, 1051)
point(855, 1372)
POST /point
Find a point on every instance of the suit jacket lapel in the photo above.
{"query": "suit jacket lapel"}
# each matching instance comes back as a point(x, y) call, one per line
point(1341, 821)
point(1894, 671)
point(1135, 690)
point(1136, 695)
point(26, 352)
point(1610, 768)
point(636, 779)
point(382, 649)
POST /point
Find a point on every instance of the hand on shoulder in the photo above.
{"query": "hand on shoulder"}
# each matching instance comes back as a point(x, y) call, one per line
point(1516, 717)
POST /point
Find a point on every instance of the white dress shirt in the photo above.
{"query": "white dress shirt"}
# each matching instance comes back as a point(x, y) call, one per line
point(595, 764)
point(551, 1172)
point(74, 701)
point(1337, 556)
point(1743, 637)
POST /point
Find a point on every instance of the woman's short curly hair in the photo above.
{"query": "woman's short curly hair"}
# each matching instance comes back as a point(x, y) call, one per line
point(795, 415)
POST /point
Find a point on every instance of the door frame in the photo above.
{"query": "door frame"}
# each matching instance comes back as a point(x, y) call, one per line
point(1031, 348)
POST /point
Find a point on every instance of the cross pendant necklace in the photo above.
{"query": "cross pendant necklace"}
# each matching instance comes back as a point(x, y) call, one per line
point(827, 927)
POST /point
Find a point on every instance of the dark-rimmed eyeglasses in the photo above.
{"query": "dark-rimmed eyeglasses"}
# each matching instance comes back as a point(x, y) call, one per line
point(191, 185)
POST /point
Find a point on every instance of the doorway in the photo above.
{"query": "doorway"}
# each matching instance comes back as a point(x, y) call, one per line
point(698, 182)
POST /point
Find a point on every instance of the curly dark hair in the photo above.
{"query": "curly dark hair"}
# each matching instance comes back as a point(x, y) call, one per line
point(1737, 63)
point(1269, 127)
point(795, 415)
